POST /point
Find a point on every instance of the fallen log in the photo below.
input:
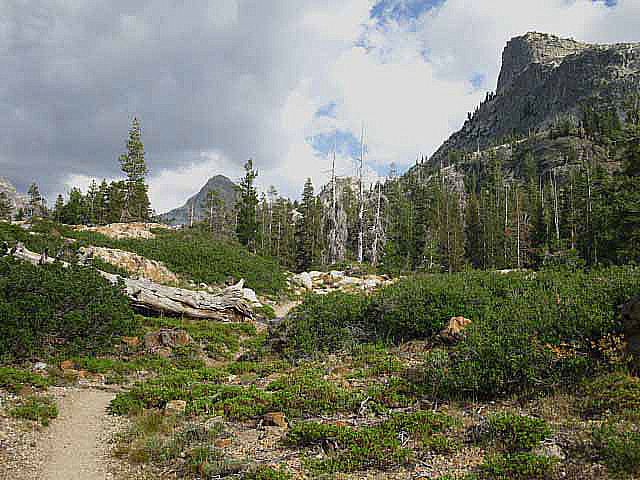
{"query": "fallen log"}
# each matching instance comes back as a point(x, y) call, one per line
point(147, 295)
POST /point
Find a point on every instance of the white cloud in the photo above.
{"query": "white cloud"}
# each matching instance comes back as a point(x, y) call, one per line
point(225, 80)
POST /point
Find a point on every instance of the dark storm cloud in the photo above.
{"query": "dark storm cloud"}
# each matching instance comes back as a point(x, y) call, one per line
point(201, 76)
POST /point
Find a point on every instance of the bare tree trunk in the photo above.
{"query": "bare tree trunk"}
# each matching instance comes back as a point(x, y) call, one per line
point(556, 219)
point(361, 210)
point(518, 225)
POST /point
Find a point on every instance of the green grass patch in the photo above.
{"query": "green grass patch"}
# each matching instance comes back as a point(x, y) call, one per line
point(198, 256)
point(380, 446)
point(217, 338)
point(266, 473)
point(37, 408)
point(517, 466)
point(617, 445)
point(13, 379)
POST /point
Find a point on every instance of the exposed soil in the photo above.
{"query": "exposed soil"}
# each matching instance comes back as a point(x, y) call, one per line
point(76, 444)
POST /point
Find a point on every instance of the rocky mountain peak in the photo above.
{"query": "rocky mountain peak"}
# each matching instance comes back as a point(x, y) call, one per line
point(544, 81)
point(534, 47)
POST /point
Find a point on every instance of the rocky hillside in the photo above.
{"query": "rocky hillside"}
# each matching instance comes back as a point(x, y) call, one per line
point(182, 215)
point(547, 81)
point(18, 200)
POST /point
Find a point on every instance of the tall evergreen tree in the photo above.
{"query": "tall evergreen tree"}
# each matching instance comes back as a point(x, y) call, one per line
point(36, 206)
point(136, 201)
point(5, 206)
point(247, 225)
point(305, 227)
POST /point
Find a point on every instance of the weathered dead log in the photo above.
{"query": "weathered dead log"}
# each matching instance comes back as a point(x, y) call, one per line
point(229, 305)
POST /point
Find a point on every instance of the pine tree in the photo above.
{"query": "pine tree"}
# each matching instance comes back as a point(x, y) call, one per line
point(247, 225)
point(35, 201)
point(58, 209)
point(305, 229)
point(136, 201)
point(5, 206)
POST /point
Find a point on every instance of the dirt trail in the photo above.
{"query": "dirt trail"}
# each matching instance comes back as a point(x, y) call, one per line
point(75, 443)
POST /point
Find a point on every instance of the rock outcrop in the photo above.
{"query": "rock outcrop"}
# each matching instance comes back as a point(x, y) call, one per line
point(325, 282)
point(545, 80)
point(18, 200)
point(137, 266)
point(123, 230)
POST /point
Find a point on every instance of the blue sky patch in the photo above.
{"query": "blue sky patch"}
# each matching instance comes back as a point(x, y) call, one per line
point(479, 80)
point(399, 10)
point(328, 110)
point(345, 141)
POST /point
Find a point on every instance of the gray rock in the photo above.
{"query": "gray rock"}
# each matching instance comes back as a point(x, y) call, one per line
point(545, 79)
point(304, 280)
point(40, 366)
point(550, 449)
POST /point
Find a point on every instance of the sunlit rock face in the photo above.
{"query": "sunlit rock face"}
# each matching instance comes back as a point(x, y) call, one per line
point(546, 80)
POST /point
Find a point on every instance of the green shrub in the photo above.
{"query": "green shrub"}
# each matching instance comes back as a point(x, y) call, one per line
point(378, 446)
point(266, 473)
point(517, 466)
point(513, 433)
point(303, 392)
point(36, 408)
point(554, 307)
point(306, 391)
point(12, 379)
point(615, 392)
point(70, 309)
point(327, 323)
point(618, 446)
point(199, 257)
point(356, 448)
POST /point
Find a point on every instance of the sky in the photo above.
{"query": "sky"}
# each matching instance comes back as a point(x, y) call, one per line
point(284, 82)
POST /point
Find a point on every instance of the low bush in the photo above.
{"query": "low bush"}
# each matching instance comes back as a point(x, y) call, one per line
point(378, 446)
point(70, 309)
point(517, 466)
point(198, 256)
point(303, 392)
point(514, 433)
point(618, 446)
point(529, 331)
point(616, 392)
point(37, 408)
point(13, 379)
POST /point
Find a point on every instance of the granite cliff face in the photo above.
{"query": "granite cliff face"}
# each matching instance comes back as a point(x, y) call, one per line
point(18, 200)
point(182, 215)
point(545, 80)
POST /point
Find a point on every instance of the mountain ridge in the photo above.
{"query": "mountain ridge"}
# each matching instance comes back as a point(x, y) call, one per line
point(182, 215)
point(546, 80)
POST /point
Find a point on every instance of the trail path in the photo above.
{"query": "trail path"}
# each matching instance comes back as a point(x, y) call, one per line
point(75, 443)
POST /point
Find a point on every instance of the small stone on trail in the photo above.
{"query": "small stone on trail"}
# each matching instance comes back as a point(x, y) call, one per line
point(67, 364)
point(175, 407)
point(276, 418)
